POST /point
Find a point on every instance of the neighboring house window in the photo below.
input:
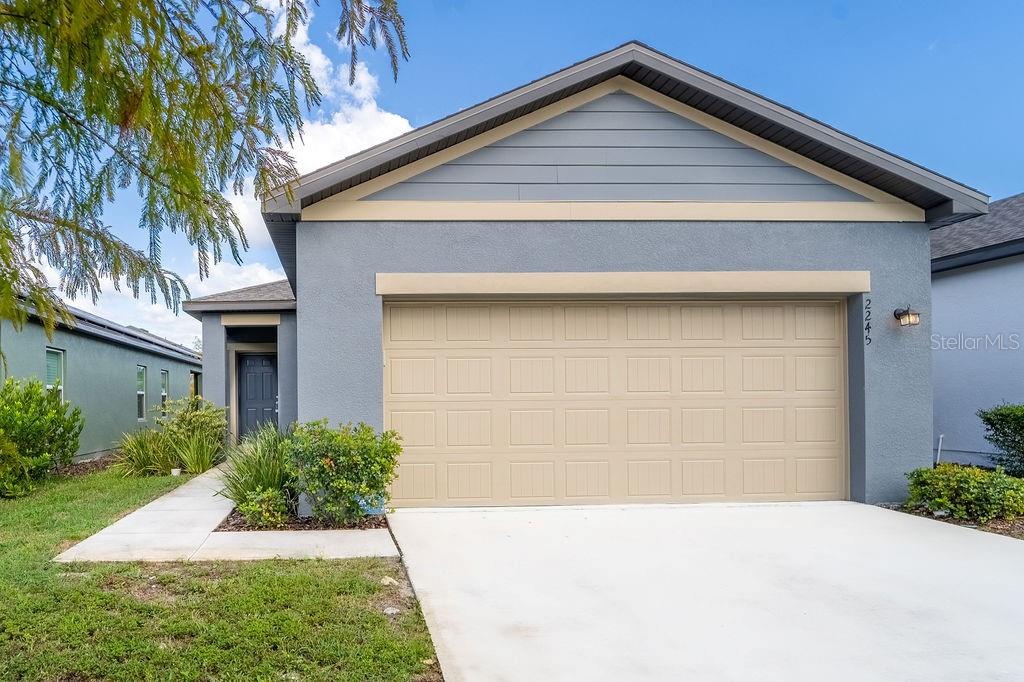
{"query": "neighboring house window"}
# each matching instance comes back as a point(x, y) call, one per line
point(55, 370)
point(140, 392)
point(195, 383)
point(165, 387)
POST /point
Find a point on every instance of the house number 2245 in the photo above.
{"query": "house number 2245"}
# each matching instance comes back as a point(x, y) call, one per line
point(867, 322)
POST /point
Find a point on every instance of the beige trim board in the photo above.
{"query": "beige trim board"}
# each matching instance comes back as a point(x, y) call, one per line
point(623, 283)
point(823, 211)
point(251, 320)
point(233, 349)
point(881, 207)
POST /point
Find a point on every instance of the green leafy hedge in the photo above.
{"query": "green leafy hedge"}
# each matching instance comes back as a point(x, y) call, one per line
point(38, 432)
point(967, 493)
point(1004, 428)
point(344, 472)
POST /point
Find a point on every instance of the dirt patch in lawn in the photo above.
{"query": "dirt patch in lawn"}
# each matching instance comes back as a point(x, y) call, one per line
point(1013, 528)
point(236, 522)
point(151, 589)
point(87, 467)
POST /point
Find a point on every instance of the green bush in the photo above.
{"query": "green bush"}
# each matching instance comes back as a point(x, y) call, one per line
point(344, 472)
point(1004, 428)
point(190, 416)
point(39, 431)
point(967, 493)
point(145, 452)
point(259, 463)
point(265, 508)
point(14, 472)
point(197, 452)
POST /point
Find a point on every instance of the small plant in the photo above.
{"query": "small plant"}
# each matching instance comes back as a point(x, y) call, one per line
point(39, 432)
point(265, 508)
point(344, 472)
point(193, 416)
point(144, 453)
point(197, 452)
point(1004, 428)
point(258, 463)
point(966, 493)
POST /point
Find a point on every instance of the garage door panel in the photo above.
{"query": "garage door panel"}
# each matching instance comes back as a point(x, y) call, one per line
point(546, 402)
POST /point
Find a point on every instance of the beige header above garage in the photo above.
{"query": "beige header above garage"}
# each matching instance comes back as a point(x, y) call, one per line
point(622, 283)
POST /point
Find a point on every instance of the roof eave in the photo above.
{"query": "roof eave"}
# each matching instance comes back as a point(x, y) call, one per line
point(978, 256)
point(198, 308)
point(969, 202)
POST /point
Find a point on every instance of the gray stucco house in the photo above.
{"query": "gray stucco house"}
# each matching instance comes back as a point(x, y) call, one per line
point(626, 281)
point(117, 375)
point(978, 325)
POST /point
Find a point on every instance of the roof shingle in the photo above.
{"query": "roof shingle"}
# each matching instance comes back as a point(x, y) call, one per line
point(1003, 224)
point(270, 296)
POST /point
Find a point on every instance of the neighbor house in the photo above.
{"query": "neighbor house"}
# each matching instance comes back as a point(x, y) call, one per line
point(628, 281)
point(118, 376)
point(978, 325)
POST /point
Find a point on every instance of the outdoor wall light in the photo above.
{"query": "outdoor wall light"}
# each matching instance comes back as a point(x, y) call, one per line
point(907, 317)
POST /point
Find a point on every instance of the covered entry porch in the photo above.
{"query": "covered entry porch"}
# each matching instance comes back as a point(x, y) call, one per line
point(249, 354)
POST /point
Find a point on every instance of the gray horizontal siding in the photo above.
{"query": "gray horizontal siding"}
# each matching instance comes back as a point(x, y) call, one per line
point(618, 147)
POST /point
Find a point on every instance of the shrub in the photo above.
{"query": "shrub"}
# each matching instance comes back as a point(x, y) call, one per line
point(1004, 428)
point(966, 492)
point(264, 508)
point(144, 453)
point(258, 463)
point(15, 480)
point(193, 415)
point(197, 452)
point(39, 431)
point(344, 472)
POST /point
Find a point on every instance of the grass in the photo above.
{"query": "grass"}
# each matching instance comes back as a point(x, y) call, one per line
point(301, 620)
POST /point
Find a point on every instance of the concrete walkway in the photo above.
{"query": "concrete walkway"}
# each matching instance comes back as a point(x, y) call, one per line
point(809, 591)
point(179, 527)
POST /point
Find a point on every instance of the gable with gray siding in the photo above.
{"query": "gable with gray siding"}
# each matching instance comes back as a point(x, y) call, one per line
point(616, 148)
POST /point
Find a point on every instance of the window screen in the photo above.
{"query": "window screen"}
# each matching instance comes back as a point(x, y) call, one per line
point(140, 392)
point(55, 369)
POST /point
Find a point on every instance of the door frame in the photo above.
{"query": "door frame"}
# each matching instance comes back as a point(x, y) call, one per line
point(234, 351)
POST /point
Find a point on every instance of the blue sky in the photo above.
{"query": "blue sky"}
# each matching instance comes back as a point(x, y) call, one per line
point(938, 82)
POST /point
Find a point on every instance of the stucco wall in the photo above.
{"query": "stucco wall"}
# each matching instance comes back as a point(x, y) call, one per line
point(215, 365)
point(978, 351)
point(99, 377)
point(339, 314)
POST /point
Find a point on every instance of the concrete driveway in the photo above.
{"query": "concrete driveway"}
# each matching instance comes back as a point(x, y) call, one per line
point(808, 591)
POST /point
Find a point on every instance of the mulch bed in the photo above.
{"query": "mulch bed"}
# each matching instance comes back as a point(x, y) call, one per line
point(236, 522)
point(83, 468)
point(1013, 528)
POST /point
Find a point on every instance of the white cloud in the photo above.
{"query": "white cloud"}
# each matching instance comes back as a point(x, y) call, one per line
point(349, 121)
point(356, 124)
point(226, 275)
point(247, 208)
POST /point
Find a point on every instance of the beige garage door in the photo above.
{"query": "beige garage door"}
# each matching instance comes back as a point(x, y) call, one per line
point(561, 402)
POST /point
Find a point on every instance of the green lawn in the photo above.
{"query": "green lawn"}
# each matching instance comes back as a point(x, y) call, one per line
point(292, 620)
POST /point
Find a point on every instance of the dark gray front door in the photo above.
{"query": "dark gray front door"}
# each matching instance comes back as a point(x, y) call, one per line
point(257, 391)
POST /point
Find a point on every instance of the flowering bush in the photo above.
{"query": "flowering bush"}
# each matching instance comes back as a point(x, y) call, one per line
point(344, 472)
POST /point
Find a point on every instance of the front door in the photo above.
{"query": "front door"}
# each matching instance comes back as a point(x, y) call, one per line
point(257, 391)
